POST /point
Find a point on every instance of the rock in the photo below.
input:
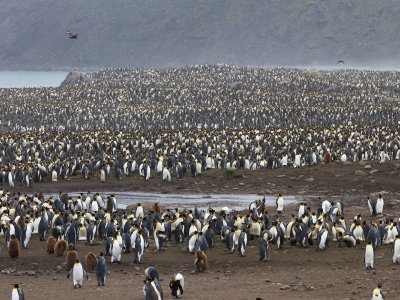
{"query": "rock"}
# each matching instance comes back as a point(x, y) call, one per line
point(72, 78)
point(268, 191)
point(241, 183)
point(285, 287)
point(309, 179)
point(367, 167)
point(267, 280)
point(281, 176)
point(372, 172)
point(349, 280)
point(31, 273)
point(59, 268)
point(55, 278)
point(346, 163)
point(360, 173)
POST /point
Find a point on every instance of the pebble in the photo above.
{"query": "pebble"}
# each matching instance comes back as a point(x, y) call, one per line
point(285, 287)
point(31, 273)
point(349, 280)
point(367, 167)
point(309, 179)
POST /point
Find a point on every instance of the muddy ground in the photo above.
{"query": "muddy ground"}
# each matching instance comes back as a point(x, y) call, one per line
point(291, 273)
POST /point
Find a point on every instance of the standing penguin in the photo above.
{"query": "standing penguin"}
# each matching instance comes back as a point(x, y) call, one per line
point(372, 206)
point(242, 243)
point(115, 250)
point(152, 290)
point(379, 205)
point(78, 272)
point(177, 285)
point(377, 293)
point(201, 261)
point(396, 250)
point(279, 204)
point(263, 245)
point(17, 293)
point(13, 247)
point(322, 239)
point(369, 256)
point(101, 270)
point(192, 242)
point(139, 248)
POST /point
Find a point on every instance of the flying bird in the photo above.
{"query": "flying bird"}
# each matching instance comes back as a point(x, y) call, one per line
point(72, 35)
point(340, 62)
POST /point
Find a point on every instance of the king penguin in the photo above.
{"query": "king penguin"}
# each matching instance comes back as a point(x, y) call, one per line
point(78, 273)
point(396, 250)
point(177, 285)
point(17, 293)
point(377, 293)
point(369, 256)
point(139, 248)
point(101, 270)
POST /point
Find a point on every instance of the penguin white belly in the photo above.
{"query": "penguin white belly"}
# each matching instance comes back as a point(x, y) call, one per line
point(116, 252)
point(36, 226)
point(54, 176)
point(78, 275)
point(255, 229)
point(379, 207)
point(82, 233)
point(322, 242)
point(358, 233)
point(369, 257)
point(102, 175)
point(28, 234)
point(396, 251)
point(192, 243)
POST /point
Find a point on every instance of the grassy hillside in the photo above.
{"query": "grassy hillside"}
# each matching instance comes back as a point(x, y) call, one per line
point(177, 32)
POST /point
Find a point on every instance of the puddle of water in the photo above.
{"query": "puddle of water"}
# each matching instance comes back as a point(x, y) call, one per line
point(202, 201)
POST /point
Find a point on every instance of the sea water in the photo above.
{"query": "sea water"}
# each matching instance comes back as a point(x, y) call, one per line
point(30, 79)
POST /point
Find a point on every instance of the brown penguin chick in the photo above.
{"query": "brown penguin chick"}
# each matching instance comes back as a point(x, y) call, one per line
point(13, 247)
point(157, 208)
point(72, 256)
point(201, 261)
point(50, 244)
point(60, 248)
point(90, 262)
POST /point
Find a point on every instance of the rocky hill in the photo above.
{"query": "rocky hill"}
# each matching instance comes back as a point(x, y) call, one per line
point(162, 33)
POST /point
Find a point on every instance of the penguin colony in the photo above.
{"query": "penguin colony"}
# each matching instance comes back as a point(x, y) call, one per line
point(130, 232)
point(179, 122)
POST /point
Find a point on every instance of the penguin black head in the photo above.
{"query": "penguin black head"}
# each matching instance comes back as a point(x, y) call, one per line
point(379, 285)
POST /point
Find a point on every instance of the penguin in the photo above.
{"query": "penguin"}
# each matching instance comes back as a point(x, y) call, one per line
point(263, 245)
point(115, 250)
point(369, 256)
point(90, 233)
point(90, 262)
point(50, 244)
point(28, 234)
point(13, 247)
point(192, 242)
point(139, 248)
point(42, 228)
point(17, 293)
point(78, 273)
point(139, 211)
point(396, 250)
point(54, 176)
point(202, 243)
point(201, 261)
point(372, 206)
point(101, 270)
point(322, 239)
point(60, 247)
point(242, 243)
point(379, 205)
point(377, 293)
point(279, 204)
point(71, 257)
point(151, 273)
point(166, 174)
point(152, 290)
point(230, 241)
point(177, 285)
point(209, 235)
point(348, 239)
point(102, 175)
